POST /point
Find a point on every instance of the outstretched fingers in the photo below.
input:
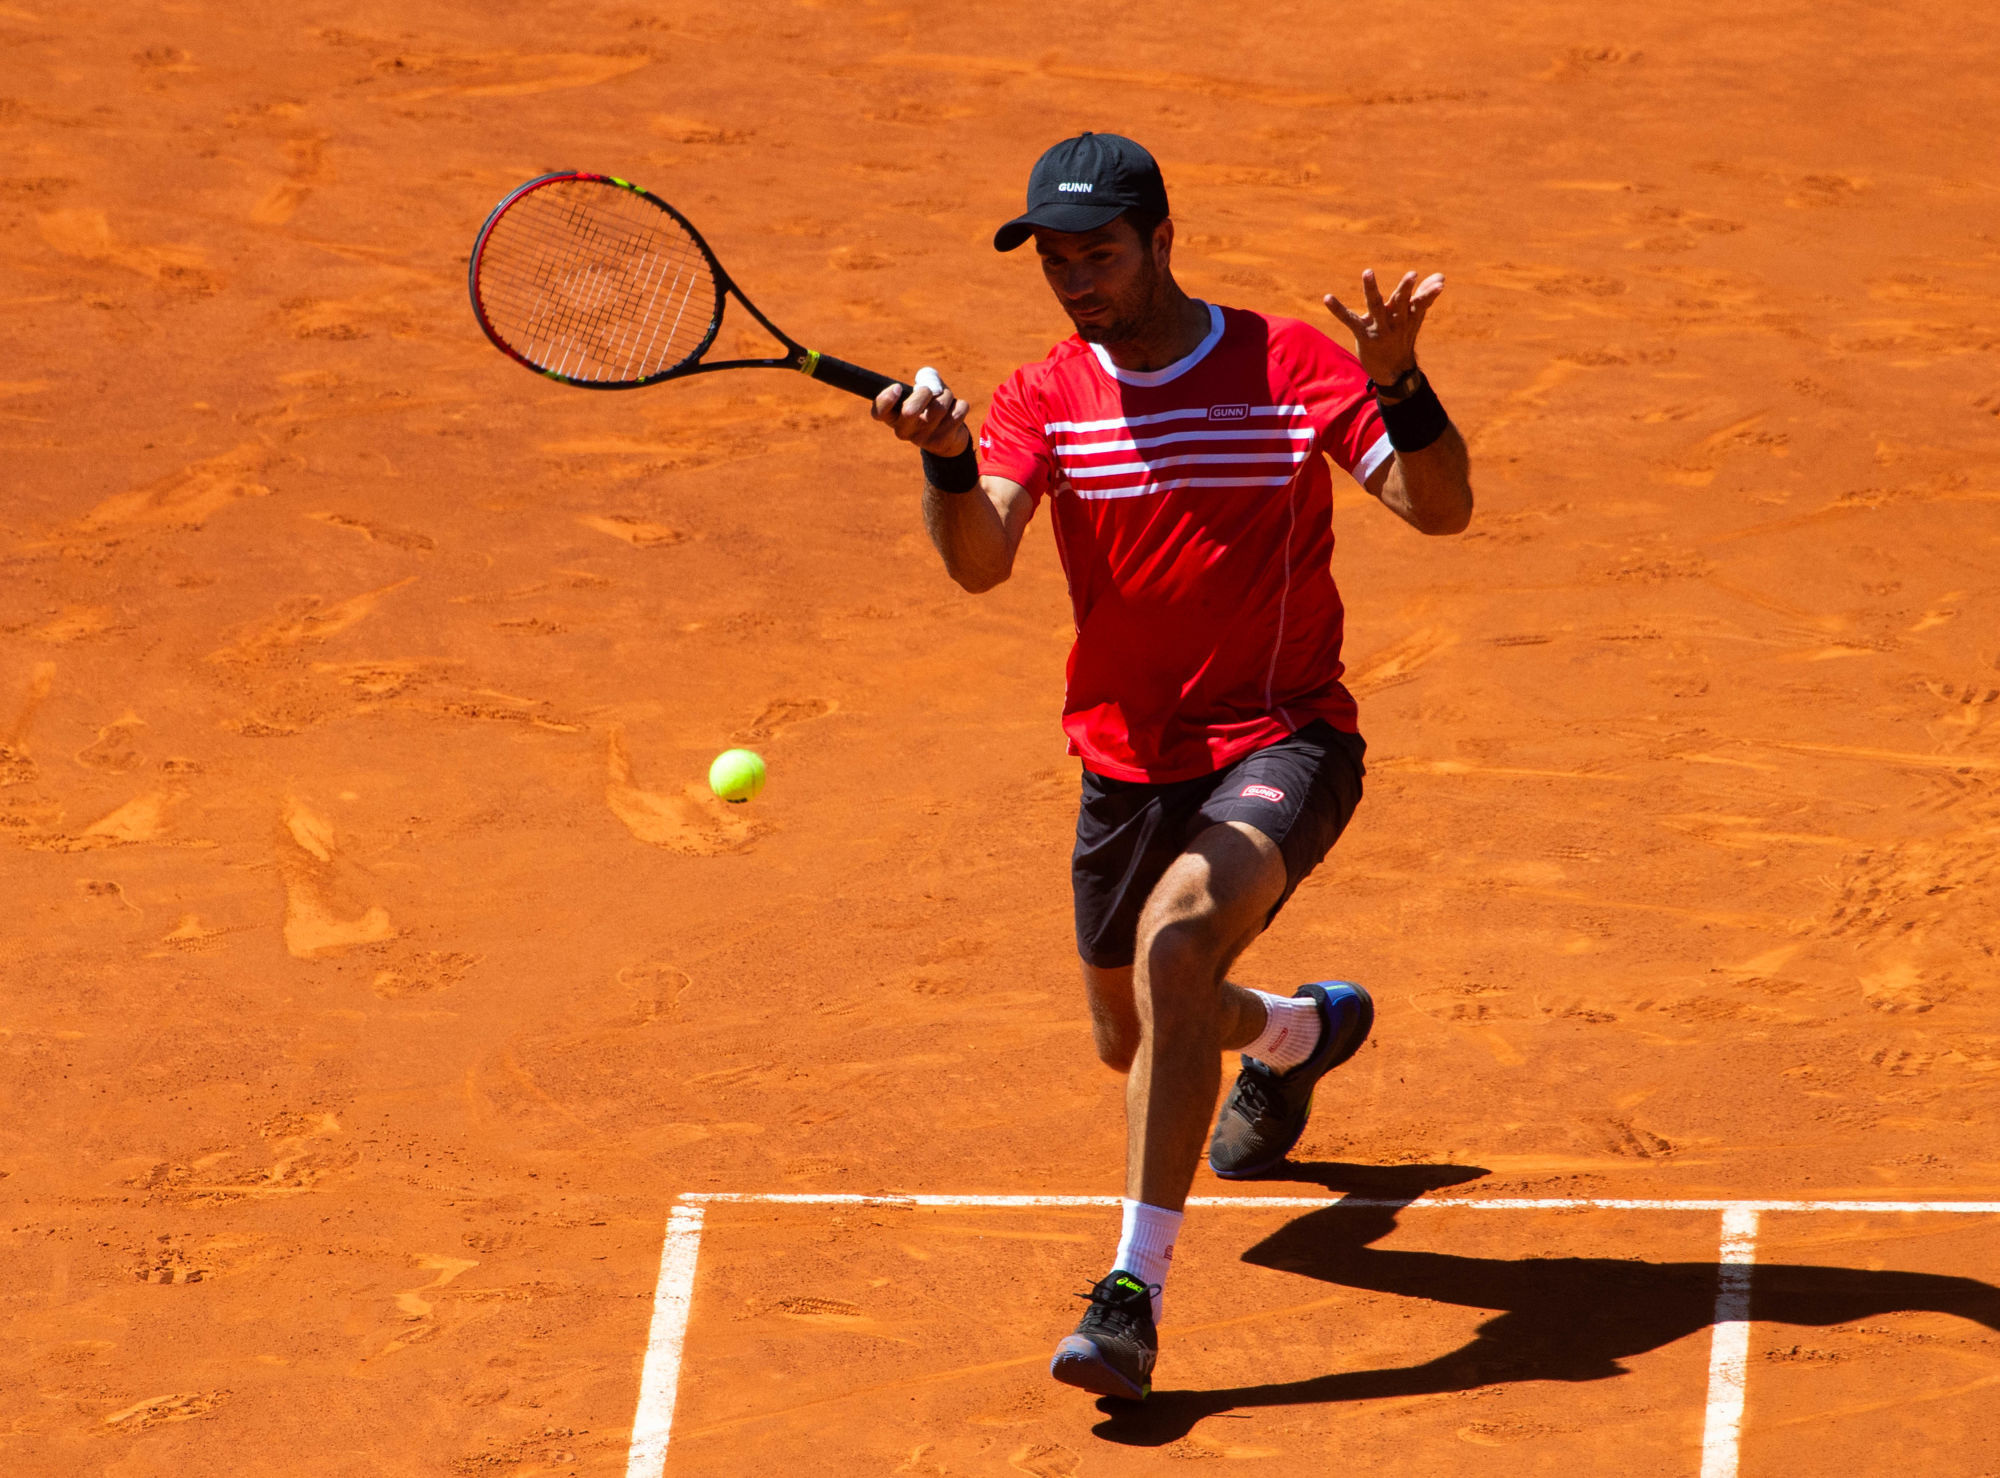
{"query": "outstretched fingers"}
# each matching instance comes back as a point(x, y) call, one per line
point(1377, 309)
point(1352, 321)
point(1427, 293)
point(1406, 300)
point(1399, 300)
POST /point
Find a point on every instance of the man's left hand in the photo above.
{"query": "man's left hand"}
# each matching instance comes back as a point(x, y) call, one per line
point(1385, 339)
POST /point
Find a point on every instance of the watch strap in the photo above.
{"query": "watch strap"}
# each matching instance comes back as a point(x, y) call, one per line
point(1400, 388)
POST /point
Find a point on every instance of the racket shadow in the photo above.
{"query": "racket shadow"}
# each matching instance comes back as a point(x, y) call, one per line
point(1568, 1319)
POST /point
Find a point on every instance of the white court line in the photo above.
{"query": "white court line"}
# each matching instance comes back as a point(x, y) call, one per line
point(1288, 1203)
point(1728, 1360)
point(1729, 1347)
point(660, 1379)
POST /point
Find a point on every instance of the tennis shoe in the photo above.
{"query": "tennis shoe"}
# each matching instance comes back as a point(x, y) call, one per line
point(1266, 1111)
point(1115, 1344)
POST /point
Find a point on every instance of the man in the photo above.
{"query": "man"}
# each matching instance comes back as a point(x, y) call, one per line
point(1182, 447)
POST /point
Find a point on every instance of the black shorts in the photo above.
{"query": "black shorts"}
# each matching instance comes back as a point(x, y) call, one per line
point(1299, 792)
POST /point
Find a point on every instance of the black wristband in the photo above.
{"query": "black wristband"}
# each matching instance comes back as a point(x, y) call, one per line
point(959, 474)
point(1415, 422)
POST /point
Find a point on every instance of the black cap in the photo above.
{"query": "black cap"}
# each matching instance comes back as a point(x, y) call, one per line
point(1083, 183)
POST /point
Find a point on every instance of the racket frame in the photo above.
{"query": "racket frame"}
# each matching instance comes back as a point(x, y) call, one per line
point(837, 372)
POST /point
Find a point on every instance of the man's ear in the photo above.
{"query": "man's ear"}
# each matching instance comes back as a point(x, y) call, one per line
point(1163, 243)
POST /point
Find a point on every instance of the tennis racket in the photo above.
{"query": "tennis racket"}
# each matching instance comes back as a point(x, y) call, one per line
point(590, 280)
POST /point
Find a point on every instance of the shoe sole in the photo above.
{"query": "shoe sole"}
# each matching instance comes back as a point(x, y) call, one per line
point(1367, 1004)
point(1080, 1363)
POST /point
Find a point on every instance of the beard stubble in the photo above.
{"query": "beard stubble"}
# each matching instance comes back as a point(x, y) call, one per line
point(1131, 314)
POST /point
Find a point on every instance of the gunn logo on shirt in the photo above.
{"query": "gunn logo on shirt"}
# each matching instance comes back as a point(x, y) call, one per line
point(1229, 413)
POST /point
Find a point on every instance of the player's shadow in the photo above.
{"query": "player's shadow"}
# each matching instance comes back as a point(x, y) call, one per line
point(1559, 1318)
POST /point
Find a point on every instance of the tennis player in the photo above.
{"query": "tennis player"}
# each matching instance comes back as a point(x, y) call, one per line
point(1183, 450)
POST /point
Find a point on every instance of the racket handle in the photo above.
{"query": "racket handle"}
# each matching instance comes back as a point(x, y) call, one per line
point(844, 376)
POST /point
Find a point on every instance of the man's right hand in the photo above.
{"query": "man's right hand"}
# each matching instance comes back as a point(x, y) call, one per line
point(931, 420)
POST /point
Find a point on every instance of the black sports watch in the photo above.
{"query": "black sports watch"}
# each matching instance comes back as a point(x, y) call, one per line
point(1402, 387)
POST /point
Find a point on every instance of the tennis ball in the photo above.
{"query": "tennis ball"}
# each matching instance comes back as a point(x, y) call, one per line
point(737, 775)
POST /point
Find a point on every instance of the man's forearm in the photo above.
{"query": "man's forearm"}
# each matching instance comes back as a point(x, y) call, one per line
point(970, 536)
point(975, 522)
point(1432, 488)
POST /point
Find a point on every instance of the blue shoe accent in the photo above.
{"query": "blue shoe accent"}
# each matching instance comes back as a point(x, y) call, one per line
point(1266, 1111)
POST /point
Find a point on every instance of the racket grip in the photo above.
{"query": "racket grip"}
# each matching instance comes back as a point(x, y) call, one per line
point(844, 376)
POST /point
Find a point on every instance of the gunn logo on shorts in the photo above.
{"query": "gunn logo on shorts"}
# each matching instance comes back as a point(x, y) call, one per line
point(1263, 793)
point(1229, 413)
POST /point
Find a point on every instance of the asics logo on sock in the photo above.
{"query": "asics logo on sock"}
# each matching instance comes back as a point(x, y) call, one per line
point(1269, 793)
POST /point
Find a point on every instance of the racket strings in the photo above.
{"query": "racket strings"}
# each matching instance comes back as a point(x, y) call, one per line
point(595, 283)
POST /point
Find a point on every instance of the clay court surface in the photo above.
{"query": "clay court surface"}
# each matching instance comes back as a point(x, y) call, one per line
point(377, 973)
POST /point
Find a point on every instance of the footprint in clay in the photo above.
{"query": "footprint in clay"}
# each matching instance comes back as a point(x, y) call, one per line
point(313, 927)
point(692, 822)
point(782, 714)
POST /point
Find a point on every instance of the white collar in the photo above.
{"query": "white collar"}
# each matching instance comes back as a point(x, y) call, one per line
point(1173, 371)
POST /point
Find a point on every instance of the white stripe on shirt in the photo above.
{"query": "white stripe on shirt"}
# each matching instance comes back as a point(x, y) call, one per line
point(1303, 433)
point(1107, 469)
point(1197, 413)
point(1374, 457)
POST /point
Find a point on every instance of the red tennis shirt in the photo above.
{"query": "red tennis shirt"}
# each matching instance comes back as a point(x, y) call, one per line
point(1195, 522)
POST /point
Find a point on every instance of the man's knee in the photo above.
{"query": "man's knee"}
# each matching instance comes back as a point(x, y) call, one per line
point(1184, 953)
point(1117, 1044)
point(1114, 1023)
point(1213, 898)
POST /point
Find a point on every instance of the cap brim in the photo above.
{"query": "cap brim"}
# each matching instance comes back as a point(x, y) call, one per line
point(1065, 215)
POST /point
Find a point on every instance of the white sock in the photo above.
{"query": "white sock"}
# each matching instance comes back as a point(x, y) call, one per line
point(1146, 1246)
point(1291, 1031)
